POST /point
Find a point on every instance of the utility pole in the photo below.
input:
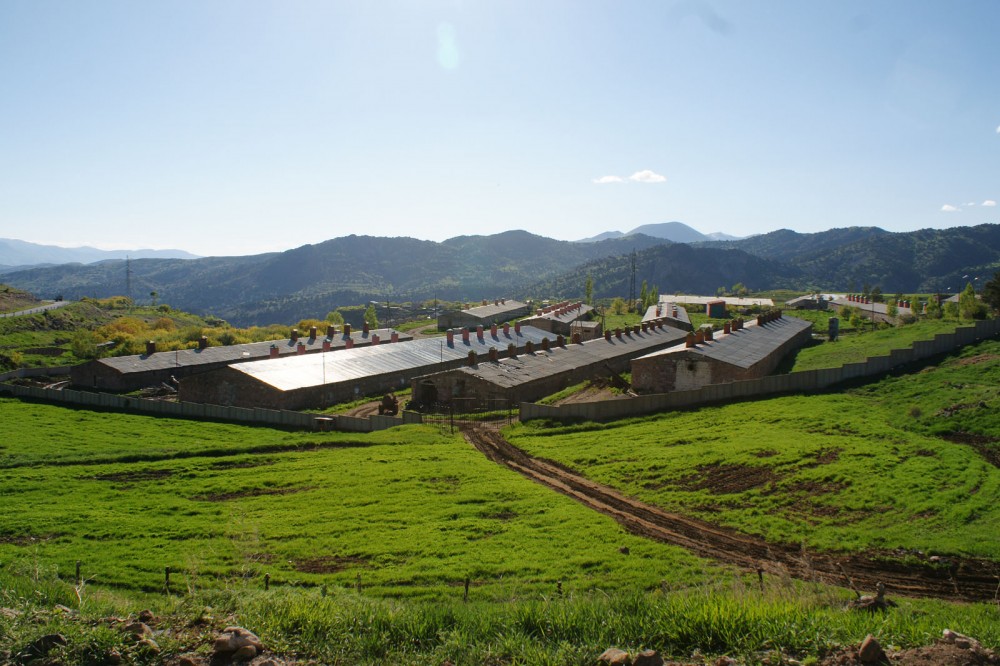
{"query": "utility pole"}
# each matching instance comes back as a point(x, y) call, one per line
point(128, 280)
point(631, 284)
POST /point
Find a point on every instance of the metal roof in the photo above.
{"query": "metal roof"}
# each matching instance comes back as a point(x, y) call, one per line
point(664, 311)
point(164, 360)
point(877, 308)
point(308, 370)
point(511, 372)
point(747, 346)
point(491, 310)
point(565, 315)
point(702, 300)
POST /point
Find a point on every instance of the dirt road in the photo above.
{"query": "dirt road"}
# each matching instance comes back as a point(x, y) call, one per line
point(955, 579)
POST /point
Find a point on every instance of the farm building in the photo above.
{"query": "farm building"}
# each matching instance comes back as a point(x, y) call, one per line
point(560, 318)
point(808, 302)
point(731, 301)
point(498, 312)
point(542, 371)
point(868, 309)
point(131, 373)
point(740, 352)
point(716, 309)
point(671, 313)
point(318, 380)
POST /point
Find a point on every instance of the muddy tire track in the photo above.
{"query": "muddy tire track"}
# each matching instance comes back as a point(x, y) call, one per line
point(958, 579)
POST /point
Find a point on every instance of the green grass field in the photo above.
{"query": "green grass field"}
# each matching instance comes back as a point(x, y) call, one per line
point(411, 511)
point(866, 468)
point(855, 346)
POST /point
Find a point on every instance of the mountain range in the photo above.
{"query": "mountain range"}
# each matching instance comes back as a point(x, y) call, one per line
point(311, 280)
point(22, 254)
point(678, 232)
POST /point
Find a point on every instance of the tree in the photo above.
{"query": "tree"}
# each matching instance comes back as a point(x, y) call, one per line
point(934, 307)
point(891, 310)
point(991, 292)
point(618, 305)
point(654, 295)
point(588, 290)
point(969, 306)
point(335, 318)
point(644, 294)
point(370, 317)
point(876, 294)
point(739, 289)
point(951, 310)
point(153, 296)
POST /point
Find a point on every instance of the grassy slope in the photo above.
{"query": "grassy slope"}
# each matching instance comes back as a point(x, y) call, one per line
point(854, 347)
point(856, 470)
point(12, 300)
point(411, 511)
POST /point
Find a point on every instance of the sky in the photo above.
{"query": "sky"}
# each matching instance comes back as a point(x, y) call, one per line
point(229, 128)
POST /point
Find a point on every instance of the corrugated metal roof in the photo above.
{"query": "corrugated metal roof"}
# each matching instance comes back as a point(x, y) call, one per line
point(665, 311)
point(491, 310)
point(165, 360)
point(296, 372)
point(571, 314)
point(877, 308)
point(746, 347)
point(702, 300)
point(511, 372)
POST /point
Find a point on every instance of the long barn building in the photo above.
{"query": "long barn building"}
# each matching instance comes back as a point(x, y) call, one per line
point(319, 380)
point(748, 352)
point(130, 373)
point(543, 371)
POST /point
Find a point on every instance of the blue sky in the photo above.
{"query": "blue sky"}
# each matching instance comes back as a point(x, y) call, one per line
point(242, 127)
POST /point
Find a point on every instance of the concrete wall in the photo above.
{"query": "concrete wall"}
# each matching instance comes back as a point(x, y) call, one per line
point(809, 381)
point(189, 410)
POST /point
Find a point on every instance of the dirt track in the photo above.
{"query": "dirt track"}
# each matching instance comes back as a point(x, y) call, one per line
point(958, 579)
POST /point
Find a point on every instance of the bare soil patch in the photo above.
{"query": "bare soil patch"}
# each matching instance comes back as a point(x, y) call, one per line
point(597, 390)
point(135, 475)
point(720, 479)
point(241, 464)
point(251, 492)
point(985, 445)
point(824, 457)
point(365, 410)
point(979, 358)
point(938, 654)
point(329, 564)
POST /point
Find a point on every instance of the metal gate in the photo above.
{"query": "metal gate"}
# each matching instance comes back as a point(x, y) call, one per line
point(494, 413)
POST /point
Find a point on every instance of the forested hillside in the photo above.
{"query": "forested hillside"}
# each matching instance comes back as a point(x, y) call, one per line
point(311, 280)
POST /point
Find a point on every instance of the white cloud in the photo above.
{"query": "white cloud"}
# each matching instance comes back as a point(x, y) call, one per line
point(967, 205)
point(604, 180)
point(989, 202)
point(948, 208)
point(647, 176)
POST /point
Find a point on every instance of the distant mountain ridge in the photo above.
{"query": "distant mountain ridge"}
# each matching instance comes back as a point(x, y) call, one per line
point(675, 232)
point(311, 280)
point(18, 253)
